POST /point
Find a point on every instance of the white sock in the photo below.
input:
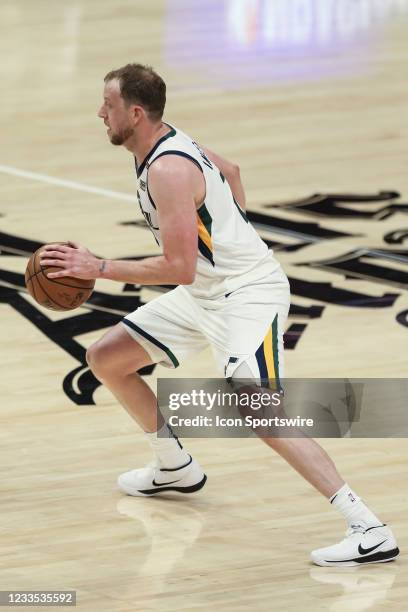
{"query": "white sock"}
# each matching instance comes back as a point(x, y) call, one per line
point(353, 508)
point(167, 448)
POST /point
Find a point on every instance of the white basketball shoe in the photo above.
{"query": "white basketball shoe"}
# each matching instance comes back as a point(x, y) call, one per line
point(360, 546)
point(154, 479)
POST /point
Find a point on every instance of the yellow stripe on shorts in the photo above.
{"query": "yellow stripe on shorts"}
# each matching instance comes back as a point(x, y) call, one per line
point(268, 352)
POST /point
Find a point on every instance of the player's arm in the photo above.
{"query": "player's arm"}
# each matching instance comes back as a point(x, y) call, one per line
point(173, 183)
point(232, 174)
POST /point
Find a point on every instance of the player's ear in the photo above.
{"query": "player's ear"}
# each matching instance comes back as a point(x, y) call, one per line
point(137, 113)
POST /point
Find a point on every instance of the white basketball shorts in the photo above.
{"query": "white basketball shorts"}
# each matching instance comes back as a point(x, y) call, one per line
point(244, 328)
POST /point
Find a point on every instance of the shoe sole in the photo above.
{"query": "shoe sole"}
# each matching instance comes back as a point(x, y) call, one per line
point(379, 557)
point(158, 490)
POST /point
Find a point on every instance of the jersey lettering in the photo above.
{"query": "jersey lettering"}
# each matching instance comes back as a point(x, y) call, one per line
point(147, 216)
point(205, 159)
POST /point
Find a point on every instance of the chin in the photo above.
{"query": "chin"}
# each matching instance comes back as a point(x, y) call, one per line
point(116, 140)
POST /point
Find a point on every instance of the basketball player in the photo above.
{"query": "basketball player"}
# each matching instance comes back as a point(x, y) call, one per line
point(231, 294)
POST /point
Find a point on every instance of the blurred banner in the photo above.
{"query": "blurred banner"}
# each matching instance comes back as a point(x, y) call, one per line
point(263, 41)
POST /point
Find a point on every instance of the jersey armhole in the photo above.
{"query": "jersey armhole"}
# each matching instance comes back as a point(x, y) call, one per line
point(171, 152)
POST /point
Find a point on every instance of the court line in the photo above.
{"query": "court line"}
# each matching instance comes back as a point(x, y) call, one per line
point(51, 180)
point(118, 195)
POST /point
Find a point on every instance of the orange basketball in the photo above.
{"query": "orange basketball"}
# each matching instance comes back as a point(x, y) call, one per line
point(64, 293)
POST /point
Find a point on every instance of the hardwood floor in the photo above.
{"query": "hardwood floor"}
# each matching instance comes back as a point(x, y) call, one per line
point(308, 97)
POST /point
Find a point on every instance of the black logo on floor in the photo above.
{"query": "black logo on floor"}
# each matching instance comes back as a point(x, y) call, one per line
point(370, 264)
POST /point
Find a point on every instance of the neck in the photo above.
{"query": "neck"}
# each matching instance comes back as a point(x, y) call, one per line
point(145, 140)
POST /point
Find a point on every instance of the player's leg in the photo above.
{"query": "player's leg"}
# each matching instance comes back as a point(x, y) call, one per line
point(368, 539)
point(115, 360)
point(158, 332)
point(304, 454)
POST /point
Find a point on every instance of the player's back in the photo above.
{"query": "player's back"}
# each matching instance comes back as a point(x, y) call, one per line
point(230, 252)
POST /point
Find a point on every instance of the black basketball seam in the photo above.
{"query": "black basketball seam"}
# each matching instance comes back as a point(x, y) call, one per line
point(33, 288)
point(52, 299)
point(35, 274)
point(29, 280)
point(34, 266)
point(35, 262)
point(53, 280)
point(41, 268)
point(27, 269)
point(35, 257)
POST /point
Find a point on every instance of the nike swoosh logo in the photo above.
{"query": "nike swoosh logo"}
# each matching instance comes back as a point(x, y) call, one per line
point(365, 551)
point(164, 484)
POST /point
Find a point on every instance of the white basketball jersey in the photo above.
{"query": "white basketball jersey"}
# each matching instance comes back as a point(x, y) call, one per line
point(230, 252)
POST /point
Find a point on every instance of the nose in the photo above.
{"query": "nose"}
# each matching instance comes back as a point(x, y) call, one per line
point(101, 112)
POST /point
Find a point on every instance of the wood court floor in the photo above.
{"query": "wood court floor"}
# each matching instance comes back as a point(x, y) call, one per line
point(308, 97)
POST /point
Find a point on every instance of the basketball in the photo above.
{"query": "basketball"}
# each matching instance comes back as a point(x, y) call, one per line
point(64, 293)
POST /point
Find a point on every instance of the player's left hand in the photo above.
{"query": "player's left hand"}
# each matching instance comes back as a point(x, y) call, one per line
point(74, 258)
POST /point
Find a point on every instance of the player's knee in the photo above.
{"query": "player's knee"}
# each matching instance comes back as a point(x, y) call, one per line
point(98, 360)
point(91, 359)
point(108, 363)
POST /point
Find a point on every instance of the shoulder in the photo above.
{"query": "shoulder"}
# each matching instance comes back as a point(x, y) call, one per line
point(173, 167)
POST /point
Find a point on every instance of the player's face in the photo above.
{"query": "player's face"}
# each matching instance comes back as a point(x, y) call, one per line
point(116, 116)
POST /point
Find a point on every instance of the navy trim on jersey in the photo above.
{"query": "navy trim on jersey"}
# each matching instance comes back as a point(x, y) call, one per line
point(139, 169)
point(263, 370)
point(205, 251)
point(206, 220)
point(181, 154)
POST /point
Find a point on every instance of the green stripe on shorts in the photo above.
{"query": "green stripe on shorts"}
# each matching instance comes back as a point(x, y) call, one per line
point(153, 340)
point(275, 349)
